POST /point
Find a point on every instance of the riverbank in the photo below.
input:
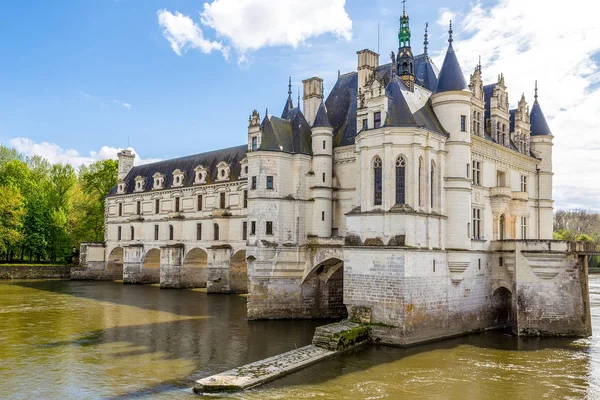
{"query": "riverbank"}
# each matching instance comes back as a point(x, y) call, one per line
point(35, 271)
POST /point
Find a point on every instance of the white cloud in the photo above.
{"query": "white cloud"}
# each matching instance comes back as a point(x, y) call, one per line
point(183, 34)
point(253, 24)
point(445, 16)
point(56, 154)
point(122, 104)
point(516, 38)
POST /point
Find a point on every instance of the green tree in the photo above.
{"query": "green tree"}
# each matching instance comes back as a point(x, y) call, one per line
point(11, 218)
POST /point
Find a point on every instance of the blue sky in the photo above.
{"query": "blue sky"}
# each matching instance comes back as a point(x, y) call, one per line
point(80, 79)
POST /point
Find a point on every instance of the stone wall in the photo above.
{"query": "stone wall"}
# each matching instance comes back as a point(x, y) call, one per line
point(39, 272)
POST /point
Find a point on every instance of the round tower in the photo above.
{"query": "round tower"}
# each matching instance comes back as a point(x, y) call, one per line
point(451, 101)
point(541, 146)
point(322, 188)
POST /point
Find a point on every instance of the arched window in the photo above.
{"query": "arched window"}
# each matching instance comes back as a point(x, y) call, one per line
point(432, 184)
point(400, 180)
point(216, 231)
point(378, 190)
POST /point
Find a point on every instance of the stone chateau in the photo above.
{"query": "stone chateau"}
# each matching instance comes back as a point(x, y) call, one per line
point(409, 198)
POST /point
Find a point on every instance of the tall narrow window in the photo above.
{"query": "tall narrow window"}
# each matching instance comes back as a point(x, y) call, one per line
point(400, 180)
point(119, 233)
point(365, 124)
point(269, 182)
point(199, 202)
point(176, 204)
point(198, 231)
point(216, 232)
point(269, 228)
point(377, 120)
point(432, 185)
point(501, 228)
point(245, 198)
point(523, 183)
point(244, 230)
point(155, 232)
point(323, 177)
point(156, 206)
point(377, 189)
point(476, 223)
point(139, 208)
point(324, 144)
point(222, 200)
point(523, 227)
point(463, 123)
point(420, 178)
point(253, 228)
point(132, 233)
point(254, 143)
point(476, 173)
point(120, 209)
point(322, 215)
point(171, 233)
point(253, 185)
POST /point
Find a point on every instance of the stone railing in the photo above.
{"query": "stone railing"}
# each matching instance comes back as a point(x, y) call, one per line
point(501, 191)
point(585, 248)
point(499, 199)
point(520, 196)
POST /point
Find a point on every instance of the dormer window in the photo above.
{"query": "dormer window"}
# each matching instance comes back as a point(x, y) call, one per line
point(178, 178)
point(121, 187)
point(140, 183)
point(200, 176)
point(223, 170)
point(159, 181)
point(244, 171)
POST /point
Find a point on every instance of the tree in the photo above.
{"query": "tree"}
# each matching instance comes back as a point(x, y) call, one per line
point(11, 215)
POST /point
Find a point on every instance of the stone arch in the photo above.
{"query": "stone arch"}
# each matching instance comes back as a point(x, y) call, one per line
point(502, 307)
point(114, 262)
point(326, 279)
point(238, 272)
point(150, 270)
point(194, 270)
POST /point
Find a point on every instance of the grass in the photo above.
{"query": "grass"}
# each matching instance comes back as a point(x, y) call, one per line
point(35, 265)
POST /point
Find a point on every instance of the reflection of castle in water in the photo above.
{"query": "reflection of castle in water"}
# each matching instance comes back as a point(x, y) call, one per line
point(406, 198)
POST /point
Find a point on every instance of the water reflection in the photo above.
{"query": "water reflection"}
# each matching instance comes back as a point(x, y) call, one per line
point(108, 340)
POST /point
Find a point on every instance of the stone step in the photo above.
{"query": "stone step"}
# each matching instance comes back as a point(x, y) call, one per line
point(263, 371)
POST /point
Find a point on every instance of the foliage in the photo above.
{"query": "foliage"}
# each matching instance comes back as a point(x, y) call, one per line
point(48, 209)
point(580, 226)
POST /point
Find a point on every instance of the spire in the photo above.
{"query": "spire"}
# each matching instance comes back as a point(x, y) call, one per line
point(404, 31)
point(404, 7)
point(539, 125)
point(289, 104)
point(479, 64)
point(426, 41)
point(451, 77)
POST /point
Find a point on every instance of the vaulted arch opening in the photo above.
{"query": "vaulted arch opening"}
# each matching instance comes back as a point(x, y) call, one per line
point(194, 270)
point(151, 267)
point(238, 272)
point(326, 281)
point(115, 262)
point(502, 306)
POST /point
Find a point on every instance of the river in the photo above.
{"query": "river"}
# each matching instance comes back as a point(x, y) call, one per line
point(89, 340)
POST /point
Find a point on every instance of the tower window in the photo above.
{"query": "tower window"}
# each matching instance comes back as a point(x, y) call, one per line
point(523, 183)
point(253, 184)
point(198, 231)
point(400, 180)
point(216, 231)
point(523, 227)
point(156, 206)
point(222, 200)
point(269, 182)
point(199, 200)
point(463, 123)
point(377, 119)
point(254, 143)
point(132, 233)
point(477, 173)
point(244, 230)
point(324, 145)
point(322, 215)
point(171, 233)
point(269, 228)
point(245, 199)
point(377, 186)
point(176, 204)
point(323, 177)
point(253, 228)
point(365, 124)
point(139, 208)
point(120, 209)
point(119, 233)
point(476, 223)
point(155, 232)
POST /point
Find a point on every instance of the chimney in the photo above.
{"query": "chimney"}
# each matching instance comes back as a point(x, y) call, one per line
point(126, 158)
point(313, 94)
point(367, 62)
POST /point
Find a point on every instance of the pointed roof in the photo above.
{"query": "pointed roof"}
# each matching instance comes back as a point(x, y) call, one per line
point(289, 104)
point(399, 113)
point(451, 76)
point(290, 135)
point(322, 120)
point(539, 126)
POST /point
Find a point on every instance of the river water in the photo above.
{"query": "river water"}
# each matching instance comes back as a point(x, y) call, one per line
point(89, 340)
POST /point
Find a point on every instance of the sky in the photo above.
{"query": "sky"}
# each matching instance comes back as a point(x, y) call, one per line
point(80, 80)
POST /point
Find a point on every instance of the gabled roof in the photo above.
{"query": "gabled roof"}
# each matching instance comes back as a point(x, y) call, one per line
point(426, 73)
point(451, 77)
point(289, 105)
point(398, 113)
point(210, 160)
point(322, 120)
point(291, 135)
point(539, 126)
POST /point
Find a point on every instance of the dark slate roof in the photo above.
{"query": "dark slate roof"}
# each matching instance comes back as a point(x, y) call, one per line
point(292, 135)
point(322, 120)
point(341, 104)
point(539, 126)
point(210, 160)
point(426, 73)
point(399, 113)
point(511, 118)
point(451, 76)
point(488, 92)
point(289, 105)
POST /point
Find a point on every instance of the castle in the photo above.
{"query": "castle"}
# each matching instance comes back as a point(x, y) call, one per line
point(408, 199)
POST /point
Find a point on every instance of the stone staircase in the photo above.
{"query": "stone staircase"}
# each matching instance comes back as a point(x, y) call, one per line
point(340, 336)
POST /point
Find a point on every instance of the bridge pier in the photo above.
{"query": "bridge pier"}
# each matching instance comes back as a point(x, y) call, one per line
point(171, 260)
point(132, 263)
point(219, 274)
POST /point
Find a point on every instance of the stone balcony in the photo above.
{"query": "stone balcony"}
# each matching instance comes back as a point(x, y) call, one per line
point(175, 215)
point(500, 197)
point(221, 212)
point(518, 204)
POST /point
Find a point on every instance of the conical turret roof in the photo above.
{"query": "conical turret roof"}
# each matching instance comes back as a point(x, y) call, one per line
point(539, 126)
point(322, 120)
point(399, 113)
point(451, 76)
